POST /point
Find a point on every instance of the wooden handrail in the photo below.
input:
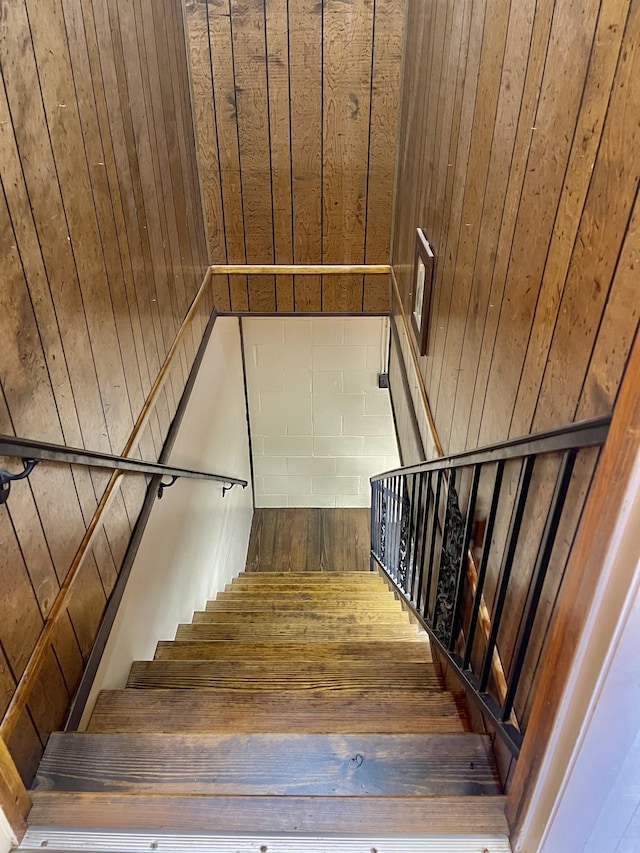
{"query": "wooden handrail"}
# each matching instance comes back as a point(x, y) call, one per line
point(301, 269)
point(14, 797)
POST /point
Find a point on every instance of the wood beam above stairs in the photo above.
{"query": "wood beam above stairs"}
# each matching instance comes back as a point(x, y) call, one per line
point(293, 703)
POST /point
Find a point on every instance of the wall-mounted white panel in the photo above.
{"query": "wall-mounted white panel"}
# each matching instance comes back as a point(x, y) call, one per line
point(319, 423)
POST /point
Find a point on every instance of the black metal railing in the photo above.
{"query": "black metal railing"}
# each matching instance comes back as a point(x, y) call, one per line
point(32, 452)
point(469, 539)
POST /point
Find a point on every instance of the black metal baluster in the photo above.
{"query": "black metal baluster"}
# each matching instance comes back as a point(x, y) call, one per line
point(398, 510)
point(415, 535)
point(423, 539)
point(372, 523)
point(484, 562)
point(538, 577)
point(505, 568)
point(391, 513)
point(432, 547)
point(464, 556)
point(443, 562)
point(383, 523)
point(411, 537)
point(378, 516)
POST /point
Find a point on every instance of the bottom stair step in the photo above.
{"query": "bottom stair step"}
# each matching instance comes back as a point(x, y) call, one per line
point(405, 815)
point(271, 765)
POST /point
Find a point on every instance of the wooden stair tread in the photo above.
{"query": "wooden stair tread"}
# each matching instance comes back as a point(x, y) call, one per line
point(271, 765)
point(284, 674)
point(279, 604)
point(291, 619)
point(301, 631)
point(268, 650)
point(309, 594)
point(357, 815)
point(351, 710)
point(328, 582)
point(285, 577)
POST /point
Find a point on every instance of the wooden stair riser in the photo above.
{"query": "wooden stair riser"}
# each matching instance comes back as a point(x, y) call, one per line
point(283, 675)
point(370, 584)
point(311, 596)
point(320, 577)
point(212, 631)
point(293, 620)
point(271, 765)
point(350, 711)
point(278, 604)
point(445, 815)
point(268, 650)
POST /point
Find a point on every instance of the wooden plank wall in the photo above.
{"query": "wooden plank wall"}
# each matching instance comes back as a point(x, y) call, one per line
point(296, 108)
point(102, 251)
point(520, 158)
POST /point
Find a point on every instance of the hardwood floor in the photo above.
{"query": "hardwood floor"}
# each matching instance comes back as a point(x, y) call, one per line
point(309, 540)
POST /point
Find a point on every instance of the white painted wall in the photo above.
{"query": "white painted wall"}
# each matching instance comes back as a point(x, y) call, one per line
point(7, 838)
point(320, 426)
point(195, 540)
point(587, 796)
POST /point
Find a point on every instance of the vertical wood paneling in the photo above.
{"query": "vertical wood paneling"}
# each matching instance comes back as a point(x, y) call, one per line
point(278, 87)
point(534, 219)
point(252, 104)
point(388, 29)
point(528, 212)
point(305, 81)
point(305, 110)
point(207, 136)
point(347, 67)
point(225, 105)
point(102, 250)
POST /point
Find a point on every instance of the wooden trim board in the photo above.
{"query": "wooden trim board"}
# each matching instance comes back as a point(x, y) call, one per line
point(300, 269)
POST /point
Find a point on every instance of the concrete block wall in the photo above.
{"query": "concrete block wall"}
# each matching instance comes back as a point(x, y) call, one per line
point(320, 426)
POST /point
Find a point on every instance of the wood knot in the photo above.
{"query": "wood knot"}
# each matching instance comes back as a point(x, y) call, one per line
point(356, 761)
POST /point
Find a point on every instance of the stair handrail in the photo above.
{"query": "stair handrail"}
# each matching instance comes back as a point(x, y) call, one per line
point(32, 452)
point(416, 503)
point(587, 433)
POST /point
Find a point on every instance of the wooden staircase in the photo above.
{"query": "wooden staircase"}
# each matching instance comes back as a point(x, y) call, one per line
point(294, 703)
